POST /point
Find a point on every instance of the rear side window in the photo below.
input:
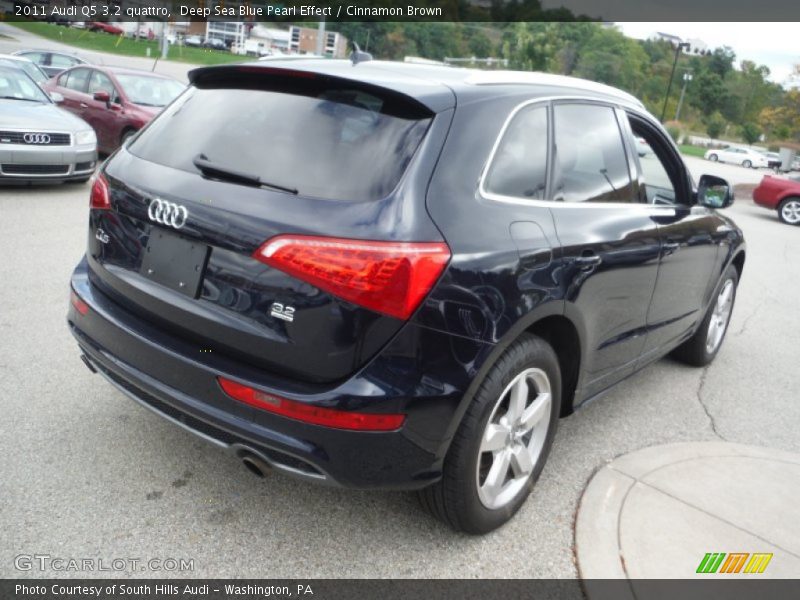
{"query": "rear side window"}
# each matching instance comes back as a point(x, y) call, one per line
point(77, 80)
point(519, 166)
point(590, 159)
point(61, 61)
point(37, 57)
point(327, 141)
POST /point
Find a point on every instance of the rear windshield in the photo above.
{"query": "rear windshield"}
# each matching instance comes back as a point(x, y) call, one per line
point(329, 141)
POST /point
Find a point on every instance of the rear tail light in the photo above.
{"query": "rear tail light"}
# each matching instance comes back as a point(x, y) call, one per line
point(79, 304)
point(99, 196)
point(388, 277)
point(328, 417)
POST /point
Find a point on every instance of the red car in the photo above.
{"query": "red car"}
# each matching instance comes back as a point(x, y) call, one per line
point(781, 194)
point(107, 27)
point(116, 102)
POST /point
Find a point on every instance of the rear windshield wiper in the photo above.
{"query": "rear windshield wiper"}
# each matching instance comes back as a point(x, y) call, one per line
point(209, 169)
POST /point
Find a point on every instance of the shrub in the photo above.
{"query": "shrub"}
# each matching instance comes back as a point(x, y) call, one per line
point(714, 125)
point(675, 133)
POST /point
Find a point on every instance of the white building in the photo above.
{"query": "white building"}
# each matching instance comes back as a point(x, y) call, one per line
point(696, 46)
point(271, 41)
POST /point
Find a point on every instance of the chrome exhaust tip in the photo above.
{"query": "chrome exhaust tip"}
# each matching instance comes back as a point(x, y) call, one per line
point(256, 465)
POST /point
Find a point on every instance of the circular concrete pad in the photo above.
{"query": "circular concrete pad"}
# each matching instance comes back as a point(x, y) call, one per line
point(656, 512)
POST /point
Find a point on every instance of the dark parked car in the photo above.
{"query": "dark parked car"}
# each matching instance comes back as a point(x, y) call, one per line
point(52, 63)
point(116, 102)
point(394, 276)
point(781, 194)
point(215, 44)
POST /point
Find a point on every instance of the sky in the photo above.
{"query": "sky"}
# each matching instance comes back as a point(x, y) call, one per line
point(772, 44)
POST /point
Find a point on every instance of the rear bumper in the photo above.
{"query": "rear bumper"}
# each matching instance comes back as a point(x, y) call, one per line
point(422, 373)
point(763, 199)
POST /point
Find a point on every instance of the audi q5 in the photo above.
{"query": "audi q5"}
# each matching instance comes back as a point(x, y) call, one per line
point(398, 276)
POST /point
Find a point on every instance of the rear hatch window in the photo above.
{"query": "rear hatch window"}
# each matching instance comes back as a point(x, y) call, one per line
point(319, 136)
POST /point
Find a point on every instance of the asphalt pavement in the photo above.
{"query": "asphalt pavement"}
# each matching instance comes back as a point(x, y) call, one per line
point(87, 473)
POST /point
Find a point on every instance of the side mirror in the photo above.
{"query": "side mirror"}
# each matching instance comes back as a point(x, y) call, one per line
point(102, 96)
point(56, 97)
point(714, 192)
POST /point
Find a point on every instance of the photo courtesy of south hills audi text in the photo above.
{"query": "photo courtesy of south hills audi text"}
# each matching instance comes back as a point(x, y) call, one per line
point(350, 299)
point(160, 590)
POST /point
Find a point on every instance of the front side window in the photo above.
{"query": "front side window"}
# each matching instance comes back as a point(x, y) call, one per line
point(659, 168)
point(519, 166)
point(590, 163)
point(655, 177)
point(100, 82)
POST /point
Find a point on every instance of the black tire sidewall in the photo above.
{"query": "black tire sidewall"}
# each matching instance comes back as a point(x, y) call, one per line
point(525, 353)
point(730, 274)
point(780, 209)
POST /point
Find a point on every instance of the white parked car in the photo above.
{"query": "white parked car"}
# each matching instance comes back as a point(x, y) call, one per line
point(642, 147)
point(746, 157)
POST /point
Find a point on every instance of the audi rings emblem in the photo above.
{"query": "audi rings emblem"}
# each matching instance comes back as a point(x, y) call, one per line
point(36, 138)
point(167, 213)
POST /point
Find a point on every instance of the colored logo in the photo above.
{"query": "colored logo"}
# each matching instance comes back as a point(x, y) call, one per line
point(734, 562)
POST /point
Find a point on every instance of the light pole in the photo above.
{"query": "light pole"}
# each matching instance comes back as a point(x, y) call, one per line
point(680, 46)
point(687, 77)
point(321, 37)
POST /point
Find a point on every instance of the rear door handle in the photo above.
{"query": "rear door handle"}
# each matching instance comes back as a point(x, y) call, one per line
point(587, 261)
point(84, 105)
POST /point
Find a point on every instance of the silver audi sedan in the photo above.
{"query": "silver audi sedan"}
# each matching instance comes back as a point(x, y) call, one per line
point(40, 142)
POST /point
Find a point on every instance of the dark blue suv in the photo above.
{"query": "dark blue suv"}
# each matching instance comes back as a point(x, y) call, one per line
point(398, 276)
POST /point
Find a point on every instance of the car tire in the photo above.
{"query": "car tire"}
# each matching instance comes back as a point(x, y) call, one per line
point(747, 164)
point(713, 157)
point(789, 210)
point(699, 350)
point(491, 441)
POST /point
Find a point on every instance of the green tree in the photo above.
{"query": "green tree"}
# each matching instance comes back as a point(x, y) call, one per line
point(708, 94)
point(750, 132)
point(721, 61)
point(715, 124)
point(610, 57)
point(480, 45)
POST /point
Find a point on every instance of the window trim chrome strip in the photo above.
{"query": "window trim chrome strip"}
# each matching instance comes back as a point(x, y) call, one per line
point(547, 101)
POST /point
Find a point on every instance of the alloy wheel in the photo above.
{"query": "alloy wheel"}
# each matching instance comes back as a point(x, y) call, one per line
point(790, 211)
point(720, 317)
point(513, 438)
